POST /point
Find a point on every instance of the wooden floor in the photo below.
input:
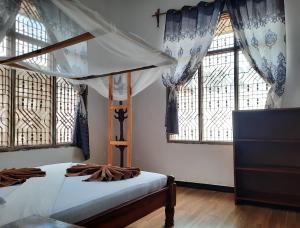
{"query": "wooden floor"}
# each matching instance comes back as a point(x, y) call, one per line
point(202, 208)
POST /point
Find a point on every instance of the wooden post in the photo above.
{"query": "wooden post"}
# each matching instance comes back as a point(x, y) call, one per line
point(110, 121)
point(171, 202)
point(112, 107)
point(50, 48)
point(129, 122)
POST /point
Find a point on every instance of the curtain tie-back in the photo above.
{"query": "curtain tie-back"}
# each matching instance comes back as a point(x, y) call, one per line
point(173, 92)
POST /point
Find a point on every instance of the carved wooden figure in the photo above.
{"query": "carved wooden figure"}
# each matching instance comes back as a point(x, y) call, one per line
point(121, 116)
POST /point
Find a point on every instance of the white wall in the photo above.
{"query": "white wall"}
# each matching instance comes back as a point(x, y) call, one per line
point(97, 110)
point(30, 158)
point(292, 94)
point(136, 17)
point(109, 9)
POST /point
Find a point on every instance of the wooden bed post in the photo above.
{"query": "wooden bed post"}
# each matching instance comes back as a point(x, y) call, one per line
point(111, 107)
point(129, 120)
point(110, 121)
point(171, 202)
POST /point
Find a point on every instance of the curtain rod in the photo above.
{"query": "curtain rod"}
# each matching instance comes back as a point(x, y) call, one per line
point(158, 13)
point(115, 73)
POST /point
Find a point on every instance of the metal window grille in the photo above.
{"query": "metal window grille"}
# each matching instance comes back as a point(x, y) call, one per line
point(253, 90)
point(33, 109)
point(23, 47)
point(31, 34)
point(217, 97)
point(66, 106)
point(188, 111)
point(28, 22)
point(223, 70)
point(5, 98)
point(224, 36)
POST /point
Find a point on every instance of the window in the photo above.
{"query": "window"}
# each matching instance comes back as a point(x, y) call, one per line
point(36, 109)
point(225, 82)
point(31, 34)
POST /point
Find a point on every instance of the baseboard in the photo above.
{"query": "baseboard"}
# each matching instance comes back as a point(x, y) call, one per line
point(210, 187)
point(268, 205)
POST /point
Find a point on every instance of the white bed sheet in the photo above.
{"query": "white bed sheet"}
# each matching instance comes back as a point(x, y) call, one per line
point(78, 200)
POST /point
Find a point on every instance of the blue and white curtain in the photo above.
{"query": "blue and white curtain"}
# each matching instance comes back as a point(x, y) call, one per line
point(81, 130)
point(259, 26)
point(188, 35)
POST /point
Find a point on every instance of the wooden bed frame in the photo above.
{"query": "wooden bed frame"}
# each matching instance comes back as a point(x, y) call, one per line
point(133, 210)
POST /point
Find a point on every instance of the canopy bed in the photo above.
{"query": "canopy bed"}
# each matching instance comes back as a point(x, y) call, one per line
point(93, 204)
point(85, 48)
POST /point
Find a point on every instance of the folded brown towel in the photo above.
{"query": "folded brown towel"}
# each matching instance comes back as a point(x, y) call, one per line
point(9, 177)
point(102, 172)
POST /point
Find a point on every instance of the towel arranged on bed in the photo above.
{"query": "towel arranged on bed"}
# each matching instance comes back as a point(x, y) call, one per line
point(9, 177)
point(102, 172)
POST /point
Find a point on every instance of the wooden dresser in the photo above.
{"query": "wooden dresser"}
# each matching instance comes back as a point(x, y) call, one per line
point(267, 156)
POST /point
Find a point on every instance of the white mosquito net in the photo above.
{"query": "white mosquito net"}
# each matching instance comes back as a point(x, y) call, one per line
point(52, 21)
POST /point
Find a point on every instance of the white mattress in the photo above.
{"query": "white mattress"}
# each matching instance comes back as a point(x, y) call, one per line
point(78, 200)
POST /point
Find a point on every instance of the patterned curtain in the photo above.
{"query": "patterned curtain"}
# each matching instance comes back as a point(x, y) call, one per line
point(188, 35)
point(81, 131)
point(259, 26)
point(8, 12)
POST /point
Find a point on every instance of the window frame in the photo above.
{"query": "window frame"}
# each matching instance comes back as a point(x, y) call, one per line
point(235, 50)
point(12, 128)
